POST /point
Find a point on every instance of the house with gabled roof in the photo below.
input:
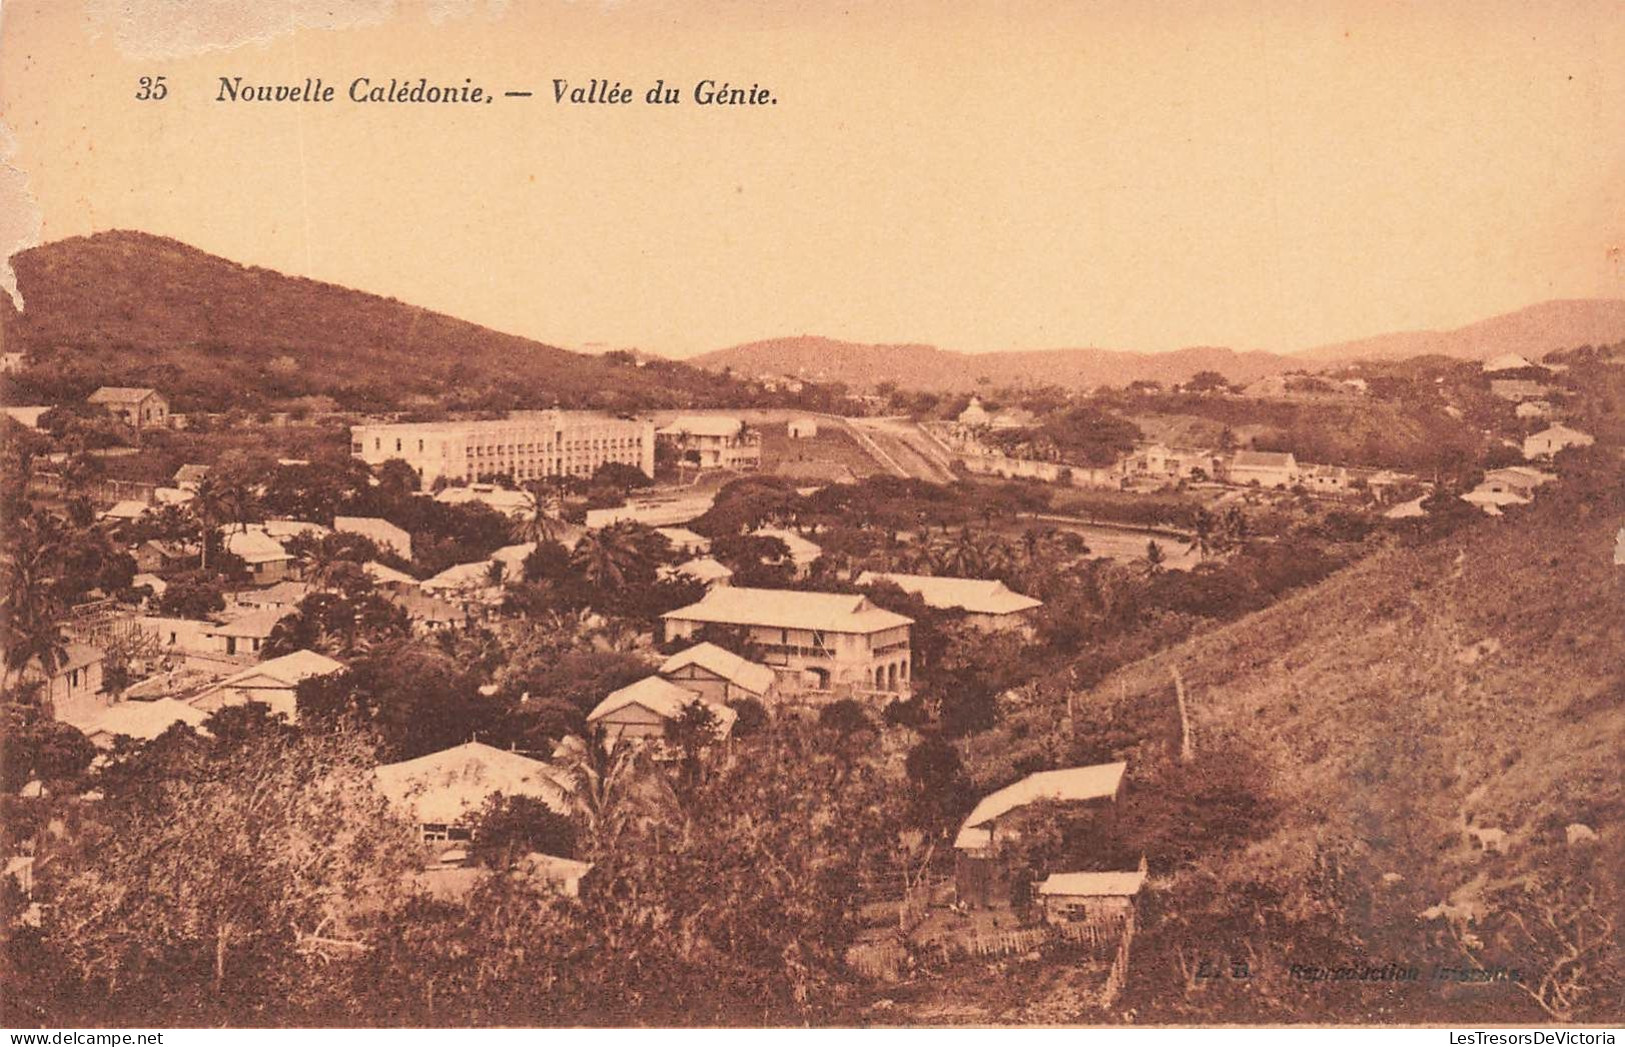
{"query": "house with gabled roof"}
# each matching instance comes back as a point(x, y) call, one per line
point(139, 408)
point(245, 633)
point(142, 721)
point(820, 644)
point(639, 712)
point(443, 792)
point(1548, 442)
point(268, 562)
point(705, 569)
point(383, 534)
point(719, 675)
point(273, 682)
point(713, 441)
point(985, 602)
point(1264, 468)
point(1104, 899)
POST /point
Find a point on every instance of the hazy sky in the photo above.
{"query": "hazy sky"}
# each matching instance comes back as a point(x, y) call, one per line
point(1012, 175)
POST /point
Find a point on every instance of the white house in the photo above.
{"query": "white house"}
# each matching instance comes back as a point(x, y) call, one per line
point(1505, 362)
point(27, 416)
point(142, 721)
point(244, 634)
point(685, 541)
point(526, 445)
point(713, 442)
point(986, 602)
point(705, 569)
point(992, 820)
point(1548, 442)
point(139, 408)
point(72, 684)
point(640, 711)
point(822, 642)
point(1090, 897)
point(719, 675)
point(273, 682)
point(1266, 468)
point(267, 560)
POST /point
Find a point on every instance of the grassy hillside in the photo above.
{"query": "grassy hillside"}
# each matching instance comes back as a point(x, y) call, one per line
point(141, 309)
point(1347, 741)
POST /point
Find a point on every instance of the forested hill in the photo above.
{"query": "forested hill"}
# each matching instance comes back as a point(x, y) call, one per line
point(132, 308)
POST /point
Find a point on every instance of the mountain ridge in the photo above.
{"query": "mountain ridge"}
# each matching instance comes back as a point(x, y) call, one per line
point(1531, 331)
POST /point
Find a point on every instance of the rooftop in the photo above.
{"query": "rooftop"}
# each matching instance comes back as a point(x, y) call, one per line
point(142, 720)
point(973, 595)
point(1094, 884)
point(255, 547)
point(756, 679)
point(257, 623)
point(703, 425)
point(659, 696)
point(1073, 784)
point(447, 786)
point(802, 551)
point(288, 669)
point(120, 394)
point(1263, 460)
point(790, 609)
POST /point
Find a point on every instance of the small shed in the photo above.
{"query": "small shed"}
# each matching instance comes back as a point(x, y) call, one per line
point(803, 428)
point(1090, 897)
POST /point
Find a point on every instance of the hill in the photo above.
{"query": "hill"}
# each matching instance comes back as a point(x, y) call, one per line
point(923, 367)
point(132, 308)
point(1473, 684)
point(1531, 332)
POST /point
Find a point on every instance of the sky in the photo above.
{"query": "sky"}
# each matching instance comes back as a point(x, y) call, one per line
point(1020, 175)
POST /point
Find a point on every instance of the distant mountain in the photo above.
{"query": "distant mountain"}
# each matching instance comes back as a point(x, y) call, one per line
point(132, 308)
point(1531, 332)
point(926, 367)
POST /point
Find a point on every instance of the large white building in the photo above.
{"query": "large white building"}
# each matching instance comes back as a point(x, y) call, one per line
point(527, 445)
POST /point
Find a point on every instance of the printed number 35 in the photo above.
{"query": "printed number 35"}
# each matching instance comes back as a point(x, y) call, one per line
point(151, 89)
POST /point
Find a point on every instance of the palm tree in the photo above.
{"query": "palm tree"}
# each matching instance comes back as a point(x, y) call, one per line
point(542, 521)
point(1154, 558)
point(607, 557)
point(208, 508)
point(30, 605)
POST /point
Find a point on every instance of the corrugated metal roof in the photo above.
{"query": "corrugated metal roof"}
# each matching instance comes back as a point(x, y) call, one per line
point(1097, 782)
point(1094, 884)
point(790, 609)
point(975, 595)
point(447, 786)
point(756, 679)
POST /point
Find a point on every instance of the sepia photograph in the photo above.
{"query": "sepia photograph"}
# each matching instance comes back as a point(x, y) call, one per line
point(812, 514)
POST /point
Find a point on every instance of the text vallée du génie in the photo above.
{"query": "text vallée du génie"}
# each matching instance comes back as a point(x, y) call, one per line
point(565, 92)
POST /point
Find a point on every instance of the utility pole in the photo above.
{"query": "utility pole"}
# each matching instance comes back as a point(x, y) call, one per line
point(1187, 743)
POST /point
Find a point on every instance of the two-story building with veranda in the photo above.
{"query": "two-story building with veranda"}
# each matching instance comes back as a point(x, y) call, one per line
point(714, 442)
point(832, 643)
point(526, 445)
